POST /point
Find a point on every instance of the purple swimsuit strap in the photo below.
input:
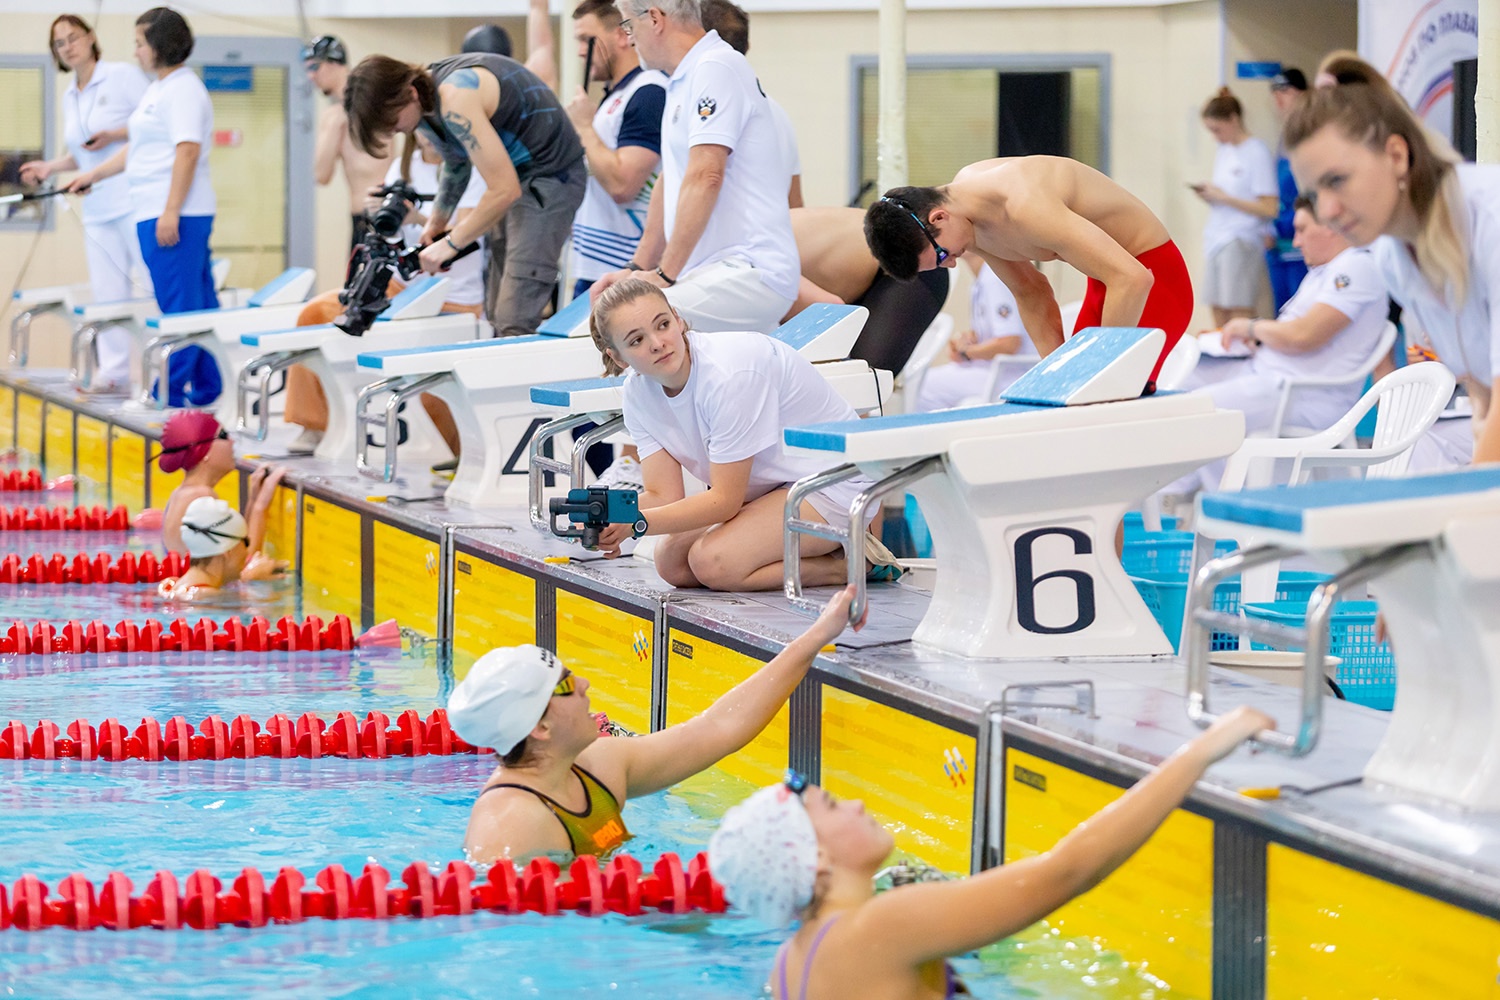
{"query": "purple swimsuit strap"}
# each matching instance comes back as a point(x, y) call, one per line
point(806, 963)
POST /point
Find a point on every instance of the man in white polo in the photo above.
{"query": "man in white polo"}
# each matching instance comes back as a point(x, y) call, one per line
point(718, 234)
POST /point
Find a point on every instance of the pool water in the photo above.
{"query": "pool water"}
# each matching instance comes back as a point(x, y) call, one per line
point(61, 817)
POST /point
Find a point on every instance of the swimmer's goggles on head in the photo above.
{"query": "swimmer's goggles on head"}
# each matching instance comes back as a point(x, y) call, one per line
point(223, 435)
point(211, 533)
point(942, 251)
point(795, 781)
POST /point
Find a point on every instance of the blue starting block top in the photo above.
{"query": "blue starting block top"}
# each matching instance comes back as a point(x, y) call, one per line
point(1057, 379)
point(803, 328)
point(834, 436)
point(1282, 508)
point(559, 393)
point(406, 297)
point(566, 319)
point(376, 359)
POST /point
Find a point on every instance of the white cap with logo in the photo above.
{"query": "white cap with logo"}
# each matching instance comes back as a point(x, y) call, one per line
point(504, 696)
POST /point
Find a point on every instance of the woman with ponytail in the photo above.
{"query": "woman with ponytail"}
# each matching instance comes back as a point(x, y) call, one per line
point(1384, 180)
point(1243, 199)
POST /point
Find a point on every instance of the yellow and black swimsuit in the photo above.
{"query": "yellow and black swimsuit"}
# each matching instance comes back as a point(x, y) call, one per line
point(597, 830)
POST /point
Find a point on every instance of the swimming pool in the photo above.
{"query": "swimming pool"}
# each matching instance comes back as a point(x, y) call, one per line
point(138, 817)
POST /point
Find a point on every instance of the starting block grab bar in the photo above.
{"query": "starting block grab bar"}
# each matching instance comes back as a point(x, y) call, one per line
point(541, 463)
point(852, 536)
point(256, 376)
point(401, 388)
point(1203, 621)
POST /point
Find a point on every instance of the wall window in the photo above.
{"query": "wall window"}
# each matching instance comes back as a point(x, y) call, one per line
point(965, 108)
point(27, 124)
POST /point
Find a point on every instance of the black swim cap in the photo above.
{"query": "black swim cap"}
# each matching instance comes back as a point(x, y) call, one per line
point(325, 48)
point(488, 38)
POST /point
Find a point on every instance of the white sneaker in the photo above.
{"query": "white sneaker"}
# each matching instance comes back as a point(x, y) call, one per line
point(624, 473)
point(305, 443)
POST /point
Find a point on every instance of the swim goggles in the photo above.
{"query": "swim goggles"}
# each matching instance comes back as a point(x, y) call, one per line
point(566, 686)
point(942, 251)
point(795, 781)
point(223, 435)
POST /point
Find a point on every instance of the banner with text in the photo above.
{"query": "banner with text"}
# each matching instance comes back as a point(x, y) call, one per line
point(1415, 44)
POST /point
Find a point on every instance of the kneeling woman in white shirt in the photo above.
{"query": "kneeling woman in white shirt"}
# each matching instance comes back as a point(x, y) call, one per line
point(715, 405)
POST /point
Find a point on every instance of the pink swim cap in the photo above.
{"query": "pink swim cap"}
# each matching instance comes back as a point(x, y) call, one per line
point(186, 438)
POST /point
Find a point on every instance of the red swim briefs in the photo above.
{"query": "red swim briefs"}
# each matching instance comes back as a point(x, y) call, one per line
point(1169, 306)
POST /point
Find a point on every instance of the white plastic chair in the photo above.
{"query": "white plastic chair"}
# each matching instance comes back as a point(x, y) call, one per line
point(1381, 350)
point(1410, 400)
point(934, 341)
point(1006, 368)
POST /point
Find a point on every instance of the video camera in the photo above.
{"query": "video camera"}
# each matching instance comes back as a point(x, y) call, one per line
point(380, 255)
point(591, 509)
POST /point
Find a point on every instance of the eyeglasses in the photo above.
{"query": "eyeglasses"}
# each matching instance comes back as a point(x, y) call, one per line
point(566, 686)
point(942, 251)
point(61, 43)
point(625, 26)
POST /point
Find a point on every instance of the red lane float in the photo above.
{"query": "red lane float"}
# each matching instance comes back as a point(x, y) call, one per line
point(63, 519)
point(31, 481)
point(214, 739)
point(202, 902)
point(102, 568)
point(204, 635)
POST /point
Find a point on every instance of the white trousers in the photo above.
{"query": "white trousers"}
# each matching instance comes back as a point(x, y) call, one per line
point(728, 297)
point(116, 272)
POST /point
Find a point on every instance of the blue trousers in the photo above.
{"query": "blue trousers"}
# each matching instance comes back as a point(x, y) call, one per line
point(1286, 275)
point(184, 281)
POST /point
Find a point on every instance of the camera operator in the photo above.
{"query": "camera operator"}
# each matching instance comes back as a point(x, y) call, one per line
point(534, 175)
point(417, 167)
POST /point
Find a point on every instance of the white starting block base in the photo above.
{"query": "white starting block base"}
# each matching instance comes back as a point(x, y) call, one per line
point(334, 363)
point(274, 306)
point(1023, 501)
point(1441, 606)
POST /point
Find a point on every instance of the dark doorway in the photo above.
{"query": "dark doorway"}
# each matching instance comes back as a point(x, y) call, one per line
point(1034, 114)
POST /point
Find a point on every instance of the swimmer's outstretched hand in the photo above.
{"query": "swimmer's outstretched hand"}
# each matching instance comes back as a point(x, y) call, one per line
point(1229, 731)
point(835, 617)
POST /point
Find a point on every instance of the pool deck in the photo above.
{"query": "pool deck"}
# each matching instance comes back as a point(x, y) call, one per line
point(1401, 846)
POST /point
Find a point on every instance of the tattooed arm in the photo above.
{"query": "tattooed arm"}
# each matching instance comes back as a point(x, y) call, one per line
point(468, 98)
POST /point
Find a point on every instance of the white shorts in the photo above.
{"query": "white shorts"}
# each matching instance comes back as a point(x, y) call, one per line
point(833, 504)
point(1235, 273)
point(116, 272)
point(728, 296)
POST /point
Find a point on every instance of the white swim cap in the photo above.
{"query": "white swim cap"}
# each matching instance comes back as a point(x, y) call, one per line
point(211, 527)
point(765, 854)
point(504, 696)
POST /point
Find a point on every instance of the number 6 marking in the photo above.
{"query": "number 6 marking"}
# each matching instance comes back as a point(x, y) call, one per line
point(1026, 583)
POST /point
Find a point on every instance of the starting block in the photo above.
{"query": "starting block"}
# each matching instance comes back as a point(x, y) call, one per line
point(1430, 549)
point(822, 333)
point(274, 306)
point(411, 320)
point(1023, 499)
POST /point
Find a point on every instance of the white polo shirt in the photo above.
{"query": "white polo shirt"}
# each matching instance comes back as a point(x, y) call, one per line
point(174, 109)
point(1350, 283)
point(1246, 171)
point(993, 312)
point(788, 136)
point(714, 99)
point(106, 103)
point(744, 390)
point(1466, 339)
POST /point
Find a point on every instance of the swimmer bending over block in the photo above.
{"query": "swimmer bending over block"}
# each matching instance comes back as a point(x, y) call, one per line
point(1015, 210)
point(559, 788)
point(792, 851)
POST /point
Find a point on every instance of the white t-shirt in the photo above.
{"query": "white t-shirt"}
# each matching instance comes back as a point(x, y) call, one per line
point(744, 390)
point(788, 134)
point(174, 109)
point(713, 99)
point(1246, 171)
point(106, 103)
point(606, 233)
point(1350, 283)
point(466, 276)
point(1468, 339)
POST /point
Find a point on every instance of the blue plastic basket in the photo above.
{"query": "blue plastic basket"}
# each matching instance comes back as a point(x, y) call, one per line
point(1135, 527)
point(1367, 673)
